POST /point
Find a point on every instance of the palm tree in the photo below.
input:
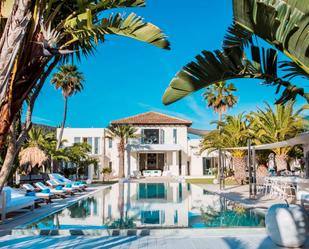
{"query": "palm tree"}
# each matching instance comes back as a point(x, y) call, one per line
point(78, 154)
point(123, 133)
point(33, 154)
point(220, 97)
point(69, 80)
point(49, 145)
point(281, 28)
point(270, 126)
point(233, 131)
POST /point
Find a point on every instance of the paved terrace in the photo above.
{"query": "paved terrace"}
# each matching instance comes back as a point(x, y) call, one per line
point(159, 239)
point(240, 193)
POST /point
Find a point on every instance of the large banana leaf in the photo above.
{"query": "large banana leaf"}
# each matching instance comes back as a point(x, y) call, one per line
point(209, 68)
point(282, 23)
point(85, 34)
point(231, 63)
point(134, 27)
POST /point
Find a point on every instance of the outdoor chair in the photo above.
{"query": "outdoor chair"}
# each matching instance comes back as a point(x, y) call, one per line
point(54, 184)
point(75, 188)
point(58, 191)
point(45, 195)
point(302, 193)
point(61, 179)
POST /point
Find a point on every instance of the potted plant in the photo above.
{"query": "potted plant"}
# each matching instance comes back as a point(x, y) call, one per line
point(106, 172)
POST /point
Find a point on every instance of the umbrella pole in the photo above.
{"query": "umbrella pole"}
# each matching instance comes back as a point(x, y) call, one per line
point(254, 171)
point(249, 168)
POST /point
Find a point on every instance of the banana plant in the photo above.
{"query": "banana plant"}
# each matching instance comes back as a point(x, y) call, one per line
point(282, 23)
point(38, 32)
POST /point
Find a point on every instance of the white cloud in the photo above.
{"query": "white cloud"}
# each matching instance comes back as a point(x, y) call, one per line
point(40, 120)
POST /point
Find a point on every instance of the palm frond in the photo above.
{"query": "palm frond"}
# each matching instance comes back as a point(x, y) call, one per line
point(284, 24)
point(134, 27)
point(293, 70)
point(237, 37)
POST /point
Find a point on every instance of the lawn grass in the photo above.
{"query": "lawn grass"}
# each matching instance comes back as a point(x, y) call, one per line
point(209, 181)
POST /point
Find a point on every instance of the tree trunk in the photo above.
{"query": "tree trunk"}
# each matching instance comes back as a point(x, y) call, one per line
point(16, 145)
point(281, 162)
point(8, 162)
point(239, 164)
point(51, 165)
point(121, 150)
point(63, 122)
point(77, 173)
point(218, 168)
point(11, 41)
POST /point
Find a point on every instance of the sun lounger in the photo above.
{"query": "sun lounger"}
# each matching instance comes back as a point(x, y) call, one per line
point(62, 179)
point(13, 201)
point(56, 191)
point(54, 184)
point(68, 185)
point(47, 196)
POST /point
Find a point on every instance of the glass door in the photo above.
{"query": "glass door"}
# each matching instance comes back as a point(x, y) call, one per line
point(152, 161)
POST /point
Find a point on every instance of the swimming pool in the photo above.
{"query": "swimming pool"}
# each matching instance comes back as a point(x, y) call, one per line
point(150, 205)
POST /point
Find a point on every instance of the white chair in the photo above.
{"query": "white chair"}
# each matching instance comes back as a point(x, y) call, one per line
point(57, 192)
point(54, 184)
point(62, 179)
point(43, 195)
point(302, 193)
point(13, 201)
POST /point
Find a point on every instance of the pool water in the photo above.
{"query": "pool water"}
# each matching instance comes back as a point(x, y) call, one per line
point(151, 205)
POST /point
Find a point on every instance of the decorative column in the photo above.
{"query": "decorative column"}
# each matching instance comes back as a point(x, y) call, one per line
point(249, 167)
point(174, 161)
point(306, 157)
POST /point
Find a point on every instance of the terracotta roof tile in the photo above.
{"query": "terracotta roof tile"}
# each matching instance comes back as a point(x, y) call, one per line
point(151, 118)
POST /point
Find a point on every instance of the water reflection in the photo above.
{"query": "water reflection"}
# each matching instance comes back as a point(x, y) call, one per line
point(155, 205)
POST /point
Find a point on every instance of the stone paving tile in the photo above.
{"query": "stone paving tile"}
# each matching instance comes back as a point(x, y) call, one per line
point(134, 242)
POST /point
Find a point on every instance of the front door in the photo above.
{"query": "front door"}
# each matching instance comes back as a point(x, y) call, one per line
point(152, 161)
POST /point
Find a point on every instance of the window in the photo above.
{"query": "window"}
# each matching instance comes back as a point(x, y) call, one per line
point(162, 136)
point(76, 140)
point(175, 136)
point(150, 136)
point(110, 165)
point(209, 165)
point(110, 142)
point(96, 145)
point(89, 141)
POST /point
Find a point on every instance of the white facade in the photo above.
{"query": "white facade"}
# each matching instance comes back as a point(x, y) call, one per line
point(94, 137)
point(164, 147)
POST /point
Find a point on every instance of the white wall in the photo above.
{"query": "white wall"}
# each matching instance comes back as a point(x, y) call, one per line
point(70, 133)
point(190, 149)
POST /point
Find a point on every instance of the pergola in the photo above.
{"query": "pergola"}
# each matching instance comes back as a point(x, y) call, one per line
point(302, 139)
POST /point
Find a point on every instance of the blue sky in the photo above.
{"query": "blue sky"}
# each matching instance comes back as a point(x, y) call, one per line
point(126, 77)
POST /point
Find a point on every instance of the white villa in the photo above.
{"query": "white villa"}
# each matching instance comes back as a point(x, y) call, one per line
point(163, 146)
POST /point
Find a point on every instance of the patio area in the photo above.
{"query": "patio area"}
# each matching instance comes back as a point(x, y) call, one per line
point(163, 239)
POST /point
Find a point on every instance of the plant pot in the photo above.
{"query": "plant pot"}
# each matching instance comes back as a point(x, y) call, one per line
point(287, 225)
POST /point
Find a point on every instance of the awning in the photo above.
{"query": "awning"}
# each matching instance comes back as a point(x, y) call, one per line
point(301, 139)
point(154, 147)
